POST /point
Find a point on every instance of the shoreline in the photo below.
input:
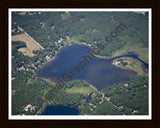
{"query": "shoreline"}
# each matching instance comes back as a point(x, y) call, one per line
point(54, 57)
point(84, 44)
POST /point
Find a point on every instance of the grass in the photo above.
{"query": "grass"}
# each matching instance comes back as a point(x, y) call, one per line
point(138, 48)
point(65, 16)
point(102, 57)
point(82, 90)
point(13, 92)
point(133, 64)
point(26, 51)
point(50, 82)
point(82, 19)
point(31, 44)
point(74, 39)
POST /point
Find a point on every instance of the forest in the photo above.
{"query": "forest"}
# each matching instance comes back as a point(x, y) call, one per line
point(54, 30)
point(88, 27)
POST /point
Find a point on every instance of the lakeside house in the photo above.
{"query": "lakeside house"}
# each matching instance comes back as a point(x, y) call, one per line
point(60, 40)
point(116, 63)
point(122, 61)
point(48, 58)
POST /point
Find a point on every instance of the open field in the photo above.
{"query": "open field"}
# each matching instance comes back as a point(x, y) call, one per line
point(138, 49)
point(26, 51)
point(31, 44)
point(82, 90)
point(73, 39)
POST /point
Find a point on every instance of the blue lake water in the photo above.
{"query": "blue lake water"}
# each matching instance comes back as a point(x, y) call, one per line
point(98, 72)
point(59, 110)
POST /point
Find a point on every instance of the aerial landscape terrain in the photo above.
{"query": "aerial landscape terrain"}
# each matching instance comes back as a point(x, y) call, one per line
point(79, 63)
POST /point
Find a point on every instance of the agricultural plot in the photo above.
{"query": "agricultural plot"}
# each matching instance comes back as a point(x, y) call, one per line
point(31, 44)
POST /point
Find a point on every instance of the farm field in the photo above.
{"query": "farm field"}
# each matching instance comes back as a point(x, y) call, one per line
point(31, 44)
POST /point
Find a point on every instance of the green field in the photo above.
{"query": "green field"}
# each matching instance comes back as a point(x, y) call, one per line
point(82, 90)
point(129, 47)
point(133, 64)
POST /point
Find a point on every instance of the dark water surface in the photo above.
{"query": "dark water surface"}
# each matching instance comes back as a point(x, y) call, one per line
point(60, 110)
point(98, 72)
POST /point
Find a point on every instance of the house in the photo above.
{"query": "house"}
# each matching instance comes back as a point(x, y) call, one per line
point(126, 85)
point(21, 68)
point(135, 111)
point(30, 107)
point(26, 109)
point(125, 61)
point(13, 78)
point(67, 37)
point(48, 58)
point(60, 40)
point(120, 107)
point(117, 63)
point(33, 108)
point(145, 85)
point(107, 98)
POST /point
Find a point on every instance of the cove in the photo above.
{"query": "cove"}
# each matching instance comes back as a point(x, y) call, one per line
point(99, 72)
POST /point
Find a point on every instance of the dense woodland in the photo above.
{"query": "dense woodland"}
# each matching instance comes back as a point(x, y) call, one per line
point(86, 27)
point(83, 27)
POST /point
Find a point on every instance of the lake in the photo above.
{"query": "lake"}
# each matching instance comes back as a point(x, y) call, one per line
point(59, 110)
point(98, 72)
